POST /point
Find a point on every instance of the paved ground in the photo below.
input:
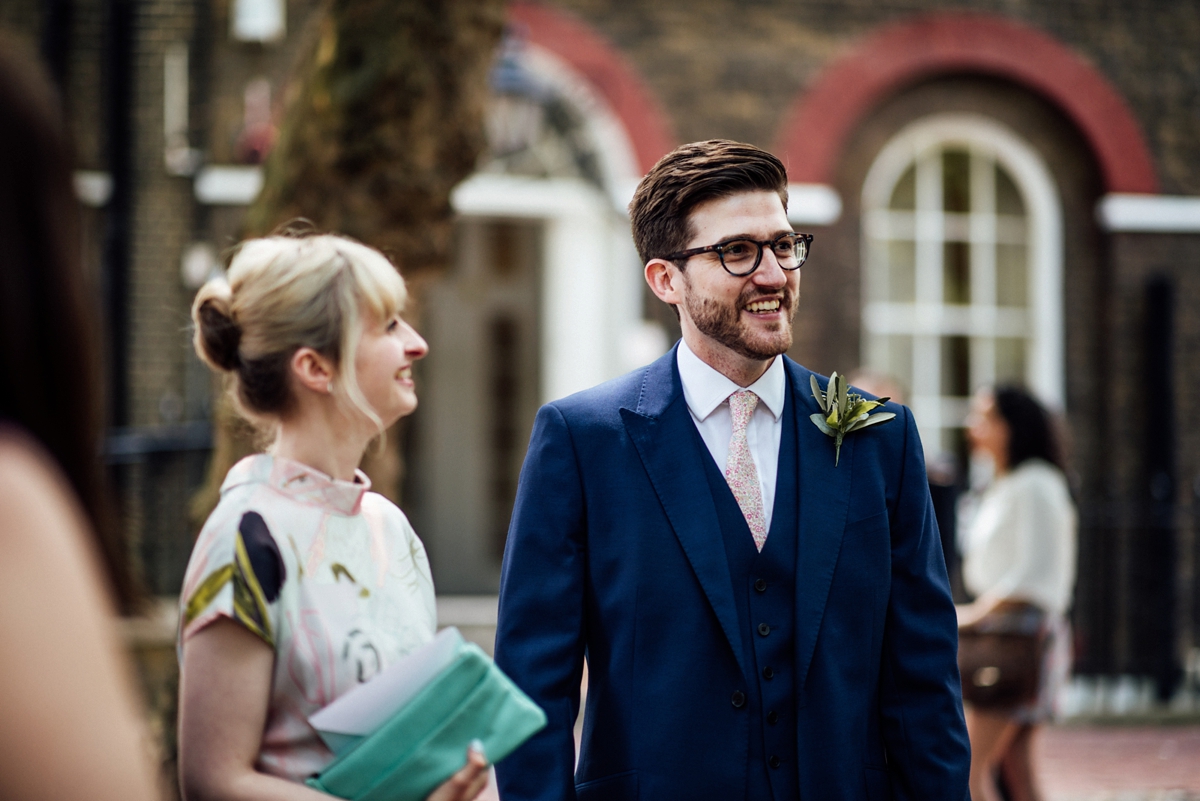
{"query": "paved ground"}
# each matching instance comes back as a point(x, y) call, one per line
point(1111, 763)
point(1120, 763)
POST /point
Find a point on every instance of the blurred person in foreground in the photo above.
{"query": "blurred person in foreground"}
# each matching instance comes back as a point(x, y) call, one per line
point(1019, 563)
point(761, 619)
point(303, 583)
point(70, 726)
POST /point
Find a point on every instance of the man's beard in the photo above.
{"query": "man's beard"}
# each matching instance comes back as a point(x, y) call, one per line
point(723, 323)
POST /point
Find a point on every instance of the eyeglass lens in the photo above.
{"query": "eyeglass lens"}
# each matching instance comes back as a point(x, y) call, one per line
point(742, 256)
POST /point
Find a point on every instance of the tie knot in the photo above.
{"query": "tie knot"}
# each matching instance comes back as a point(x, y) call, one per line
point(741, 407)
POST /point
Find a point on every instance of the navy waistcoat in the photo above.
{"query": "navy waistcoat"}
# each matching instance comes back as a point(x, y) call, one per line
point(764, 588)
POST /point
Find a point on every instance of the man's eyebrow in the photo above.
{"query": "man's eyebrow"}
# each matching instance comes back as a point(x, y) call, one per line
point(772, 237)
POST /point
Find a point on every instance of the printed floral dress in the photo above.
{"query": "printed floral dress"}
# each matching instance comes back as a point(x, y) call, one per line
point(327, 573)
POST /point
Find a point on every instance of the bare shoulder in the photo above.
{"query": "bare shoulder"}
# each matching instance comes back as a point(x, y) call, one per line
point(34, 495)
point(25, 466)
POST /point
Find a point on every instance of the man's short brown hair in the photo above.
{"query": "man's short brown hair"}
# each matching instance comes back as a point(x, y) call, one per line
point(690, 175)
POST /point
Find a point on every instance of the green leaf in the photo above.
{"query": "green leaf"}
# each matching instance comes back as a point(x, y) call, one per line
point(818, 395)
point(842, 400)
point(881, 417)
point(863, 407)
point(819, 422)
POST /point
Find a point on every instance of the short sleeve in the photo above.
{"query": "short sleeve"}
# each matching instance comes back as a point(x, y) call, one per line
point(236, 571)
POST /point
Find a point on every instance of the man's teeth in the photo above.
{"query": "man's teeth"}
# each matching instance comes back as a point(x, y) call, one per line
point(763, 306)
point(404, 373)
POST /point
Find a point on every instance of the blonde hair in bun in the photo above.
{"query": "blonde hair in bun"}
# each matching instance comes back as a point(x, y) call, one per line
point(282, 293)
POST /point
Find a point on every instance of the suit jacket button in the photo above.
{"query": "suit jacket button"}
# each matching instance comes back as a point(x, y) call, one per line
point(739, 699)
point(760, 585)
point(768, 672)
point(773, 761)
point(772, 717)
point(764, 629)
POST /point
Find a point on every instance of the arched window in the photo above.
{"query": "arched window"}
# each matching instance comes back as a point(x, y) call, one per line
point(962, 269)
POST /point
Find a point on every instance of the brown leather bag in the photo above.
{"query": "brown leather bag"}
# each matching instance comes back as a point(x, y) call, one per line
point(1000, 656)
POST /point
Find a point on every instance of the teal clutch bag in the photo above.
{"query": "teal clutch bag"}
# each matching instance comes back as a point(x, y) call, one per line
point(424, 742)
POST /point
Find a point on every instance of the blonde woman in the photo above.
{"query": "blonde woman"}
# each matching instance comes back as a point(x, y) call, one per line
point(303, 583)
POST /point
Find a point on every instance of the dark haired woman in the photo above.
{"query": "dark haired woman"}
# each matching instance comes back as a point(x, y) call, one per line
point(69, 724)
point(1018, 554)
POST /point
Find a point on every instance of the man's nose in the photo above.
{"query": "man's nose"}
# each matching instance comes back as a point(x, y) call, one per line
point(769, 273)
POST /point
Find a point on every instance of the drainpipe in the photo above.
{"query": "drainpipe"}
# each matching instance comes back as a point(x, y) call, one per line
point(1155, 548)
point(119, 80)
point(57, 18)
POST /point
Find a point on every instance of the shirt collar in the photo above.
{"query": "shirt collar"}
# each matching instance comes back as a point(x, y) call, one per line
point(704, 389)
point(301, 482)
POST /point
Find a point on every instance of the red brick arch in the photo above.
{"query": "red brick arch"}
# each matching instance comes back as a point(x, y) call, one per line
point(607, 70)
point(901, 54)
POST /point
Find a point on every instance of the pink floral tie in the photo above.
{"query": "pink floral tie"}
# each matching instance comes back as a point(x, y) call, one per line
point(739, 469)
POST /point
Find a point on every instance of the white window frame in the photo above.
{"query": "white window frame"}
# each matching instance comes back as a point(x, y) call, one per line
point(929, 318)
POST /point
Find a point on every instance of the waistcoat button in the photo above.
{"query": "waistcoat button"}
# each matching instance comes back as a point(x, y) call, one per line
point(739, 699)
point(772, 717)
point(760, 585)
point(773, 761)
point(768, 672)
point(764, 629)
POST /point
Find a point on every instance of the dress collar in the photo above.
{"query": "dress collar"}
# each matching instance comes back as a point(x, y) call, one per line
point(704, 389)
point(301, 483)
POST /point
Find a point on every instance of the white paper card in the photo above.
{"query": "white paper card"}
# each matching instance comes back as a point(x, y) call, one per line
point(362, 710)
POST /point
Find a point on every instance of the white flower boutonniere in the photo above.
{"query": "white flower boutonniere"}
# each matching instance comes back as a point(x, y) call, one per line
point(843, 411)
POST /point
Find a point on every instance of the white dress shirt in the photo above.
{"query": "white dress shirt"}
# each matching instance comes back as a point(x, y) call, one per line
point(707, 392)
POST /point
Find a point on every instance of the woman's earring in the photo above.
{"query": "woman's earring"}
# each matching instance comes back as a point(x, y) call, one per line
point(329, 387)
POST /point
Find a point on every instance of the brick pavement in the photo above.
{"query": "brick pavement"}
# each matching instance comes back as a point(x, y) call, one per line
point(1120, 763)
point(1110, 763)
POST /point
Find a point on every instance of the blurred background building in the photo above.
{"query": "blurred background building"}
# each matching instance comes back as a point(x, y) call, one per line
point(999, 191)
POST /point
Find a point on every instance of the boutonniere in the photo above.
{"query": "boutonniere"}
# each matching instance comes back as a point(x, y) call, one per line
point(843, 411)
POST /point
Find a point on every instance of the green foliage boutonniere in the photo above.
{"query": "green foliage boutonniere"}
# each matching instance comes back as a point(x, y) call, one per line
point(843, 411)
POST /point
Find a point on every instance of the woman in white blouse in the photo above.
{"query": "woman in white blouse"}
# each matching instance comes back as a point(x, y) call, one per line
point(1020, 546)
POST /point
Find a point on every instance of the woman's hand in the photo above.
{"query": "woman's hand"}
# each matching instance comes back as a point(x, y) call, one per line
point(468, 782)
point(968, 615)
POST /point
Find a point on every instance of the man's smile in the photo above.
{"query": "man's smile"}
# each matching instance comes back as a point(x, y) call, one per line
point(765, 306)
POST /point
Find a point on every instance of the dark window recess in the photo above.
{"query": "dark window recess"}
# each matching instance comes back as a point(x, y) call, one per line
point(956, 366)
point(503, 400)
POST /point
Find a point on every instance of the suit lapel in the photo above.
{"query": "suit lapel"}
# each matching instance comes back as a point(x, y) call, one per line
point(663, 433)
point(824, 504)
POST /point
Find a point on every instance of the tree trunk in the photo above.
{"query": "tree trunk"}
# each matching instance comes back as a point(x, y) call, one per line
point(383, 117)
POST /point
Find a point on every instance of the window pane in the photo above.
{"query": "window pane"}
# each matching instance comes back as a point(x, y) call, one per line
point(1010, 359)
point(902, 275)
point(1008, 198)
point(1011, 287)
point(899, 359)
point(904, 196)
point(956, 180)
point(956, 367)
point(956, 272)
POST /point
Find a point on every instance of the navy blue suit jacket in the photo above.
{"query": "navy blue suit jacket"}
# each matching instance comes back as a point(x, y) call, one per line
point(614, 553)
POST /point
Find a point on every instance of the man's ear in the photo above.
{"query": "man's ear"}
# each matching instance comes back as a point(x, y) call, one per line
point(312, 370)
point(665, 280)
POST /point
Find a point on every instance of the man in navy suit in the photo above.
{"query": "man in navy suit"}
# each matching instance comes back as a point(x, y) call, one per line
point(757, 623)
